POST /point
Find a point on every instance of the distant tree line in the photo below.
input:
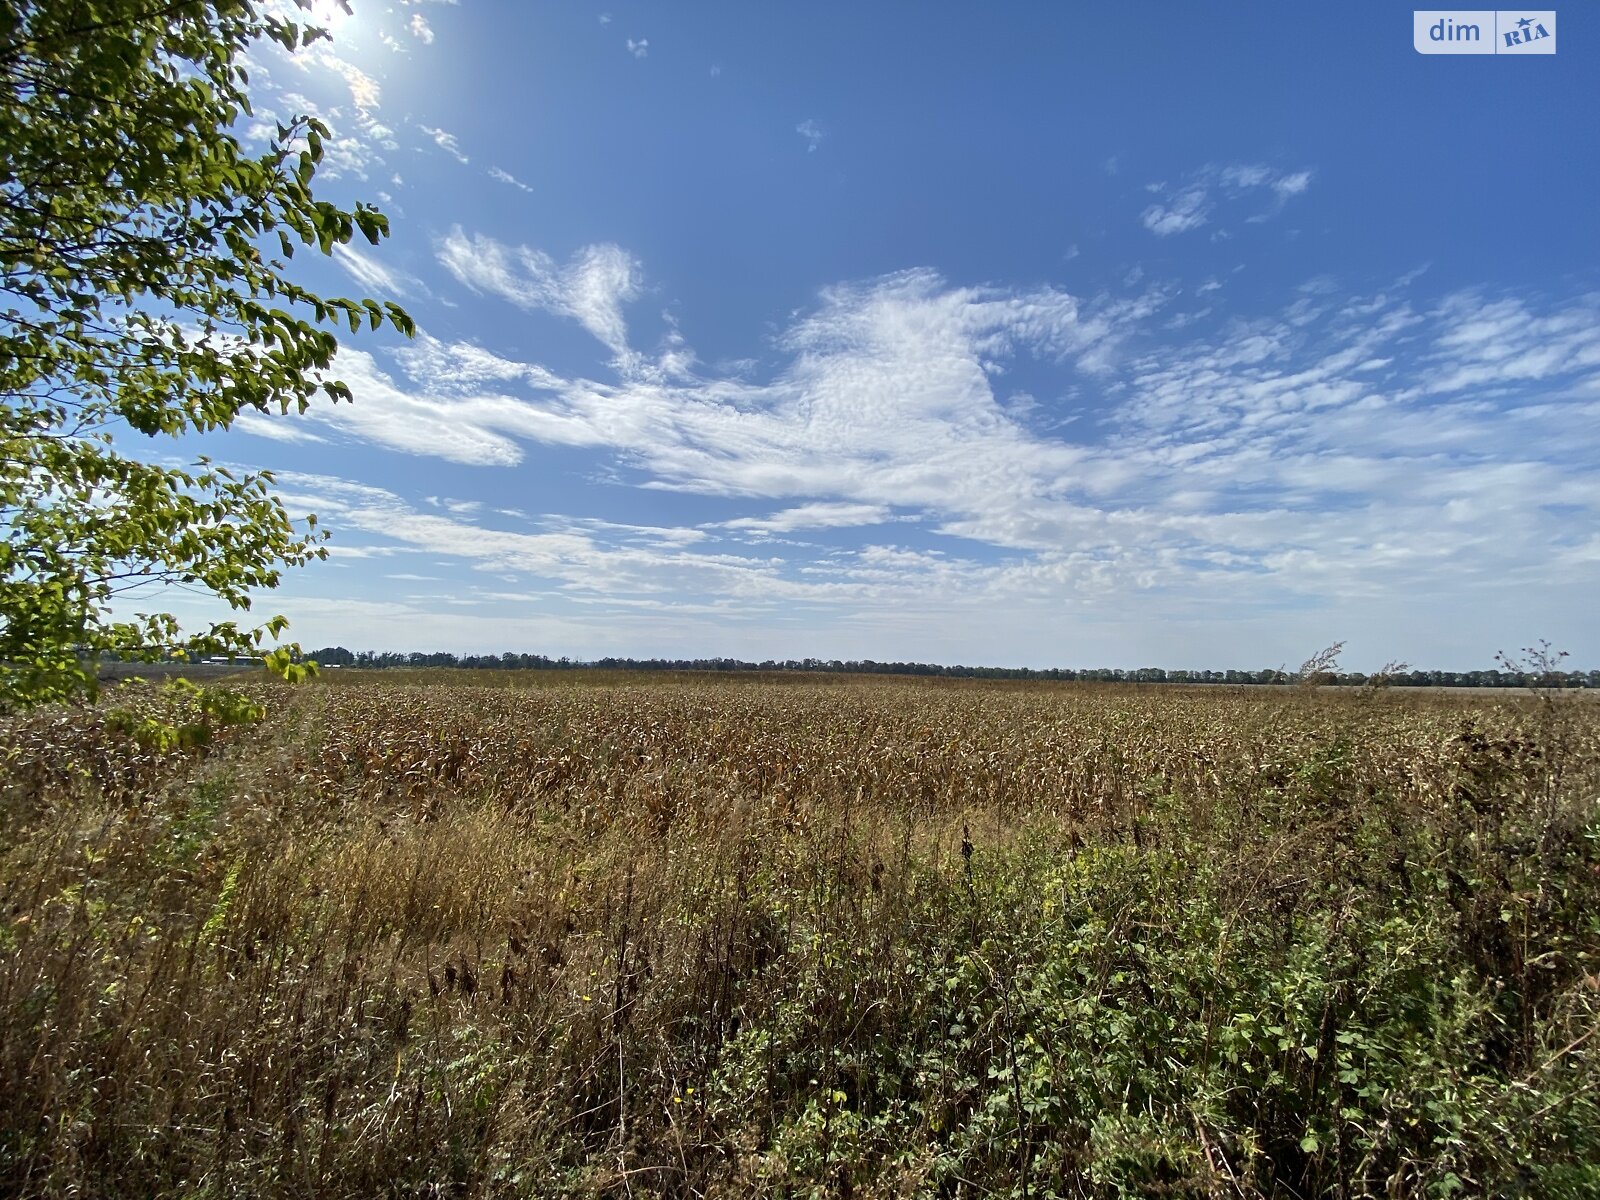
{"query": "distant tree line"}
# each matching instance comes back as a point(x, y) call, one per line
point(338, 656)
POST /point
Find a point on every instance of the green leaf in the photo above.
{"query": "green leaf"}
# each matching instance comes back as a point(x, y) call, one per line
point(135, 219)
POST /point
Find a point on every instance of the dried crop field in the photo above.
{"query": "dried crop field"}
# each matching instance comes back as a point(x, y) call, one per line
point(564, 935)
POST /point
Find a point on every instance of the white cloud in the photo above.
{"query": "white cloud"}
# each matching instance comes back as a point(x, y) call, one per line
point(1301, 461)
point(345, 152)
point(598, 559)
point(347, 156)
point(1497, 343)
point(640, 48)
point(364, 90)
point(446, 142)
point(420, 29)
point(1243, 177)
point(887, 393)
point(461, 368)
point(814, 516)
point(1187, 210)
point(502, 176)
point(358, 140)
point(371, 274)
point(460, 508)
point(812, 133)
point(1292, 185)
point(389, 415)
point(591, 288)
point(1194, 203)
point(279, 428)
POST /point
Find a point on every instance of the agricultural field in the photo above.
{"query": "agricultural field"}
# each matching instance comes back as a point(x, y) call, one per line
point(445, 934)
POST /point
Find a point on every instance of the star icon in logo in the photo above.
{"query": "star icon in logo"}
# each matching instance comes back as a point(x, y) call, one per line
point(1525, 22)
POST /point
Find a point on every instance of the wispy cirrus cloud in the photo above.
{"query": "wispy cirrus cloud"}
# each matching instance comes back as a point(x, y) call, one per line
point(274, 429)
point(373, 275)
point(364, 90)
point(594, 558)
point(591, 288)
point(353, 148)
point(446, 141)
point(1178, 213)
point(1193, 203)
point(463, 368)
point(1308, 457)
point(320, 79)
point(822, 515)
point(812, 132)
point(500, 175)
point(907, 445)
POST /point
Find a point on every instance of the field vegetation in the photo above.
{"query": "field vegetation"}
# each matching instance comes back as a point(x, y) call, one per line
point(572, 934)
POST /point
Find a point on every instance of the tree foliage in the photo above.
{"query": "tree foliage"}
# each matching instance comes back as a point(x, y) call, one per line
point(144, 294)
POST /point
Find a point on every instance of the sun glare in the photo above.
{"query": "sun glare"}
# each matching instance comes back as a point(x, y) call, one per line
point(327, 14)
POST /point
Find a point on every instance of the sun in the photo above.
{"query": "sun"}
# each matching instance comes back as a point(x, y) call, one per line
point(327, 14)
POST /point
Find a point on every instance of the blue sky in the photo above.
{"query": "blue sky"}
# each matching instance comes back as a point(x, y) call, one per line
point(1194, 335)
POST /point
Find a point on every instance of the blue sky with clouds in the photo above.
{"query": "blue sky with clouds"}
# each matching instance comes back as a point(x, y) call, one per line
point(1197, 335)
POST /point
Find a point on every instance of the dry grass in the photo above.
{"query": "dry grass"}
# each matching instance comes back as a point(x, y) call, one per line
point(727, 937)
